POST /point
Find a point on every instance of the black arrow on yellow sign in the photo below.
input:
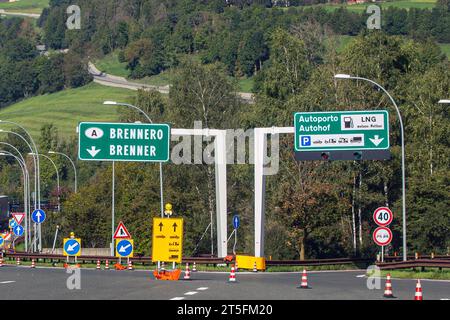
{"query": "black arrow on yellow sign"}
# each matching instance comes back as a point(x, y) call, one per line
point(160, 226)
point(174, 227)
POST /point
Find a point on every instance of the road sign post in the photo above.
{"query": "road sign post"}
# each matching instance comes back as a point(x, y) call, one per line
point(167, 245)
point(382, 236)
point(356, 131)
point(100, 141)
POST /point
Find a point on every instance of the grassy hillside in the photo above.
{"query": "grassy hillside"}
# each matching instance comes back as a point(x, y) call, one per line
point(26, 6)
point(66, 108)
point(406, 4)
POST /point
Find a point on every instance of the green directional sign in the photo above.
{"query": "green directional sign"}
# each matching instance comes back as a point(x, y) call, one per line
point(100, 141)
point(341, 130)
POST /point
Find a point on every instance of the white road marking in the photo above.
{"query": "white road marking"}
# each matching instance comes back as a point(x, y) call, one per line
point(202, 288)
point(361, 276)
point(190, 293)
point(177, 298)
point(445, 299)
point(6, 282)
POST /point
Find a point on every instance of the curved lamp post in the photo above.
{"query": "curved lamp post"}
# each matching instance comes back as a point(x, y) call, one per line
point(347, 76)
point(73, 165)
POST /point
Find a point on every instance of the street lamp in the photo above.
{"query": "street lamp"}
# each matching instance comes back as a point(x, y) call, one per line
point(347, 76)
point(73, 165)
point(26, 188)
point(37, 159)
point(34, 162)
point(114, 103)
point(57, 176)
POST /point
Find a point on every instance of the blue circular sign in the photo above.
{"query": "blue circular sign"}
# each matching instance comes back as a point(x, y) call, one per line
point(12, 223)
point(38, 216)
point(1, 240)
point(236, 221)
point(72, 247)
point(18, 231)
point(124, 248)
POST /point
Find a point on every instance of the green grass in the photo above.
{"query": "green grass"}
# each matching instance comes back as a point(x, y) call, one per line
point(25, 6)
point(246, 84)
point(429, 273)
point(66, 108)
point(110, 64)
point(162, 79)
point(445, 47)
point(361, 7)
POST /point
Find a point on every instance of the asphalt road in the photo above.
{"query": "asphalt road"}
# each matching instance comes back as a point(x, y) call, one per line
point(19, 283)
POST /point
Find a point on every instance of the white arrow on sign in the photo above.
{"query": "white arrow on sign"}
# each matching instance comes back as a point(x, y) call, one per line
point(38, 216)
point(376, 140)
point(18, 230)
point(124, 248)
point(71, 247)
point(93, 151)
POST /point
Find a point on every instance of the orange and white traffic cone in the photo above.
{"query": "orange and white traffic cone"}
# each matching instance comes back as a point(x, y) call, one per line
point(98, 265)
point(232, 277)
point(130, 265)
point(304, 283)
point(106, 265)
point(254, 267)
point(418, 295)
point(187, 273)
point(33, 263)
point(18, 261)
point(194, 268)
point(388, 287)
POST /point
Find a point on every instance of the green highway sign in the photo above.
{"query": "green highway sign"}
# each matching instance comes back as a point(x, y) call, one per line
point(341, 130)
point(101, 141)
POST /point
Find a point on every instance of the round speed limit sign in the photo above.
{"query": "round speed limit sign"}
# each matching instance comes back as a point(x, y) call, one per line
point(382, 236)
point(383, 216)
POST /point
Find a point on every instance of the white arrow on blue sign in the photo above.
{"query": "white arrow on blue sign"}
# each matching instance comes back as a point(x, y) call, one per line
point(236, 221)
point(12, 223)
point(72, 247)
point(18, 231)
point(38, 216)
point(124, 248)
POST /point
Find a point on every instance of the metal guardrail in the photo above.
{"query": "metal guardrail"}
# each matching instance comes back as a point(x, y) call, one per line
point(419, 263)
point(419, 257)
point(198, 260)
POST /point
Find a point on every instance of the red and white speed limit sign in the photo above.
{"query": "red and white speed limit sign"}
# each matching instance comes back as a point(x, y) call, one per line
point(383, 216)
point(382, 236)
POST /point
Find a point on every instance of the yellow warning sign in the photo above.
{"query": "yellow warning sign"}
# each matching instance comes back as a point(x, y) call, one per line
point(167, 239)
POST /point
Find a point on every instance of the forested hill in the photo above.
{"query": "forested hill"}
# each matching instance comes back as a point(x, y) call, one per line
point(152, 34)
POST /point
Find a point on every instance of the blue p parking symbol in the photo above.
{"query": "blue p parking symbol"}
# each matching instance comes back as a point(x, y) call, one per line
point(306, 141)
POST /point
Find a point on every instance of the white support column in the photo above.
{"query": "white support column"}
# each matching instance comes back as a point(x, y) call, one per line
point(221, 192)
point(260, 146)
point(221, 181)
point(260, 150)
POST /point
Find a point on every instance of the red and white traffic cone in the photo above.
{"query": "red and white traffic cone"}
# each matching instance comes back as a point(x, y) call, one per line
point(194, 268)
point(98, 265)
point(163, 266)
point(18, 261)
point(418, 295)
point(304, 283)
point(33, 263)
point(187, 273)
point(1, 262)
point(130, 265)
point(232, 277)
point(388, 287)
point(107, 265)
point(254, 267)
